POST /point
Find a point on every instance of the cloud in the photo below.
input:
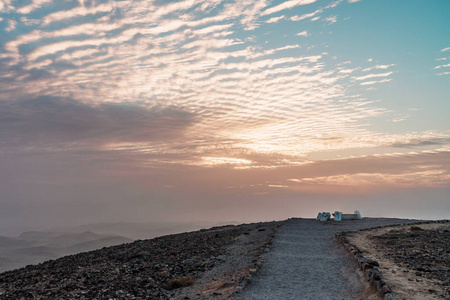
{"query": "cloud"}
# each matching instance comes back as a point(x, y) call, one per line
point(104, 104)
point(422, 141)
point(375, 82)
point(190, 56)
point(246, 12)
point(426, 169)
point(302, 17)
point(442, 61)
point(275, 19)
point(348, 71)
point(316, 12)
point(11, 25)
point(383, 67)
point(331, 20)
point(373, 76)
point(302, 33)
point(435, 178)
point(442, 66)
point(32, 6)
point(76, 12)
point(49, 121)
point(401, 119)
point(286, 5)
point(218, 161)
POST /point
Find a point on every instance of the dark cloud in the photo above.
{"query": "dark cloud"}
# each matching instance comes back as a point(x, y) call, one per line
point(33, 74)
point(37, 74)
point(422, 142)
point(47, 121)
point(62, 65)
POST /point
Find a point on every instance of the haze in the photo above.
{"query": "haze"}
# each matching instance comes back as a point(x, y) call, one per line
point(219, 111)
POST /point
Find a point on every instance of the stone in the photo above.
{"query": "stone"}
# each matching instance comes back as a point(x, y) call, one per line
point(385, 290)
point(389, 296)
point(371, 262)
point(380, 284)
point(221, 257)
point(375, 276)
point(368, 274)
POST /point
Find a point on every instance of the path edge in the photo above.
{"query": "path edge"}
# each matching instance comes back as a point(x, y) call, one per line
point(254, 268)
point(369, 266)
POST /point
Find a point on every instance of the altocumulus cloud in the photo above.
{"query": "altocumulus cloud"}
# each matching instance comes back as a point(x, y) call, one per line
point(191, 77)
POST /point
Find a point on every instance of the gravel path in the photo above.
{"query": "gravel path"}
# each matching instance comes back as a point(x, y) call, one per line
point(306, 263)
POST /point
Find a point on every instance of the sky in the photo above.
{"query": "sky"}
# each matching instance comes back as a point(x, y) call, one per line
point(220, 110)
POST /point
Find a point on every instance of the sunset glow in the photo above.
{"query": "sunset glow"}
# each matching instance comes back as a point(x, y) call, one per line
point(105, 103)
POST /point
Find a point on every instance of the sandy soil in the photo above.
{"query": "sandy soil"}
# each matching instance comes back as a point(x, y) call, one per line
point(404, 282)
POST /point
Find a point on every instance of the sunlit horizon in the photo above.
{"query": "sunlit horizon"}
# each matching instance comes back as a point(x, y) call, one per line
point(117, 110)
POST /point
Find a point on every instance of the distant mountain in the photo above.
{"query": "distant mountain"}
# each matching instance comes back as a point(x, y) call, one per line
point(96, 244)
point(144, 230)
point(10, 241)
point(35, 246)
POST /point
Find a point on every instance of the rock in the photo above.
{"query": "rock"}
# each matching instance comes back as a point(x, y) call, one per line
point(389, 296)
point(375, 275)
point(371, 262)
point(142, 254)
point(385, 290)
point(221, 258)
point(190, 262)
point(380, 284)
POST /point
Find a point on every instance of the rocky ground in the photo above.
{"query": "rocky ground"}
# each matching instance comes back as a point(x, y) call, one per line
point(146, 269)
point(426, 252)
point(219, 262)
point(414, 260)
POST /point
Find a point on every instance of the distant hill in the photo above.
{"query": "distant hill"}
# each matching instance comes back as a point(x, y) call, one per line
point(35, 247)
point(140, 231)
point(12, 242)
